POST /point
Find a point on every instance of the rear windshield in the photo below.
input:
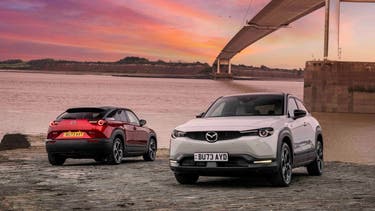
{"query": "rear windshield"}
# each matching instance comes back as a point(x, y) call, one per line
point(82, 113)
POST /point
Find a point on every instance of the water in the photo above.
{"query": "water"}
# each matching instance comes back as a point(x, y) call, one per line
point(29, 101)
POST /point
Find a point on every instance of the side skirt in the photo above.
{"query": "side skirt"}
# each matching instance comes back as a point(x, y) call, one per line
point(135, 150)
point(304, 158)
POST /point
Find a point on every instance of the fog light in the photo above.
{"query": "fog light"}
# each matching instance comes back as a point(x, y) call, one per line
point(173, 163)
point(262, 161)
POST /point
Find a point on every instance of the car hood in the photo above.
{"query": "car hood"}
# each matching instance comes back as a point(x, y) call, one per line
point(230, 123)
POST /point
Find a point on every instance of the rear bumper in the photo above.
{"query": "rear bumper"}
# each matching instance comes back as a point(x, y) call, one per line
point(79, 148)
point(238, 165)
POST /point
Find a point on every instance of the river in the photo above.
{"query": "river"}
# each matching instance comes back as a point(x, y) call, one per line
point(29, 101)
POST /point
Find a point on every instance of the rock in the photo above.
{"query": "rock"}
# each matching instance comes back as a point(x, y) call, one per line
point(14, 141)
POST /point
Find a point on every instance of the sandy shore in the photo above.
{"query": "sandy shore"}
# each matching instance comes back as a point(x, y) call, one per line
point(29, 182)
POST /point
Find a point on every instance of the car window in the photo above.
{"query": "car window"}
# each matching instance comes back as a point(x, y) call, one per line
point(116, 115)
point(112, 114)
point(82, 113)
point(132, 118)
point(123, 116)
point(301, 106)
point(291, 106)
point(247, 105)
point(218, 110)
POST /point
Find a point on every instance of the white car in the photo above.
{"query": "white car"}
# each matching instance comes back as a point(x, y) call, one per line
point(267, 133)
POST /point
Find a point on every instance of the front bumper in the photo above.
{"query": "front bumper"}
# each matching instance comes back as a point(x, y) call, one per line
point(79, 148)
point(260, 148)
point(237, 165)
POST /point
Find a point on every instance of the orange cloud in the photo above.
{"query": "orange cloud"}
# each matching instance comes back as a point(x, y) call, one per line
point(186, 30)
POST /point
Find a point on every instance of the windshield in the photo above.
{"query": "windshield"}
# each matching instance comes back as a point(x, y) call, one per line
point(82, 113)
point(247, 105)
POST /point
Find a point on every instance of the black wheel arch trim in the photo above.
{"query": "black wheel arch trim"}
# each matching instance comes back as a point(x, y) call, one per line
point(153, 136)
point(318, 131)
point(285, 133)
point(121, 133)
point(317, 134)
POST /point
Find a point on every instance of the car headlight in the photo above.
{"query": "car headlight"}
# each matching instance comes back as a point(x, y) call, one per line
point(265, 132)
point(261, 132)
point(177, 133)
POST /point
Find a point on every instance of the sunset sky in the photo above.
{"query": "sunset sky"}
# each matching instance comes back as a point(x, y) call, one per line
point(176, 30)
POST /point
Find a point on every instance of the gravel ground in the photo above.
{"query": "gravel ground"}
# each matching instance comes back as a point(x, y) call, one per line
point(29, 182)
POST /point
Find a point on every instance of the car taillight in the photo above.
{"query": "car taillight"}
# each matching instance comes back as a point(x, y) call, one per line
point(53, 135)
point(102, 122)
point(52, 123)
point(99, 122)
point(95, 134)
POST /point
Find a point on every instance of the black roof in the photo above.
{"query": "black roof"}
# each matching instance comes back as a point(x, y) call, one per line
point(93, 109)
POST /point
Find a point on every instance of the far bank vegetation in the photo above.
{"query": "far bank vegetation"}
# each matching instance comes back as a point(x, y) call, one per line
point(138, 65)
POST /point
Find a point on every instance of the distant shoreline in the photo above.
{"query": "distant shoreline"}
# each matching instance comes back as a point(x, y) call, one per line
point(133, 66)
point(149, 75)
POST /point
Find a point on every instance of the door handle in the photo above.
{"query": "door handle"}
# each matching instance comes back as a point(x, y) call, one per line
point(305, 124)
point(134, 128)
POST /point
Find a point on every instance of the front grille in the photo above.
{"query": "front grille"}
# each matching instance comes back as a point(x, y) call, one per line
point(222, 135)
point(232, 162)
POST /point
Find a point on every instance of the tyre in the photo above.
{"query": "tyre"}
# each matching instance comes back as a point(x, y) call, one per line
point(316, 167)
point(117, 153)
point(186, 179)
point(56, 160)
point(283, 176)
point(150, 155)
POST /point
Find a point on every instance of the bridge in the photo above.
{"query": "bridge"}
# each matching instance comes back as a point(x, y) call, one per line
point(329, 86)
point(275, 15)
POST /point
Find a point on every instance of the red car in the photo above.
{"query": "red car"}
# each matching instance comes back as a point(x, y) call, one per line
point(103, 133)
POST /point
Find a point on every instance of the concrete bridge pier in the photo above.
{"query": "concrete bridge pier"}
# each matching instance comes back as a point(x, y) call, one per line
point(222, 69)
point(338, 86)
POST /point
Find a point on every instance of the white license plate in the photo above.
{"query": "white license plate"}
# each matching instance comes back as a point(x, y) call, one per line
point(207, 156)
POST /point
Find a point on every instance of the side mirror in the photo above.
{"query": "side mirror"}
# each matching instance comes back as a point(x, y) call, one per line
point(299, 113)
point(142, 122)
point(200, 115)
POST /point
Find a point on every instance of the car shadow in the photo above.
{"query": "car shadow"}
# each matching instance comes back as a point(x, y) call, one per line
point(250, 181)
point(73, 162)
point(231, 182)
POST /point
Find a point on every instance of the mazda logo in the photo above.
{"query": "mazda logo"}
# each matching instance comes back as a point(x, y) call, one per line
point(211, 137)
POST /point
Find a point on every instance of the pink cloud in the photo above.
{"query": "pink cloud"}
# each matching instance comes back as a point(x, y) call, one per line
point(186, 30)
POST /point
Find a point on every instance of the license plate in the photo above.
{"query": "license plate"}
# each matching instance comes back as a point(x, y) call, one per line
point(211, 156)
point(73, 134)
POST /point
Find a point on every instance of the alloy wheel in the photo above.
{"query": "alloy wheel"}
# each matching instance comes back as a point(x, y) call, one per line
point(319, 156)
point(286, 165)
point(152, 149)
point(150, 154)
point(117, 151)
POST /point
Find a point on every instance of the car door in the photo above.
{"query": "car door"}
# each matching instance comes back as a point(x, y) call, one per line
point(141, 135)
point(130, 132)
point(120, 121)
point(309, 132)
point(296, 126)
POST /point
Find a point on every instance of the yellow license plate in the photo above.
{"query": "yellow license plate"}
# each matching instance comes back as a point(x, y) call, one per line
point(73, 134)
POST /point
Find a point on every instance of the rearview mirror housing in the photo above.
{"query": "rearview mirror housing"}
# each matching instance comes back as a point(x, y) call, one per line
point(142, 122)
point(299, 113)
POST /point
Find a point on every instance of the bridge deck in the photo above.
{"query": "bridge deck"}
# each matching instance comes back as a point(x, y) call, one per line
point(276, 14)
